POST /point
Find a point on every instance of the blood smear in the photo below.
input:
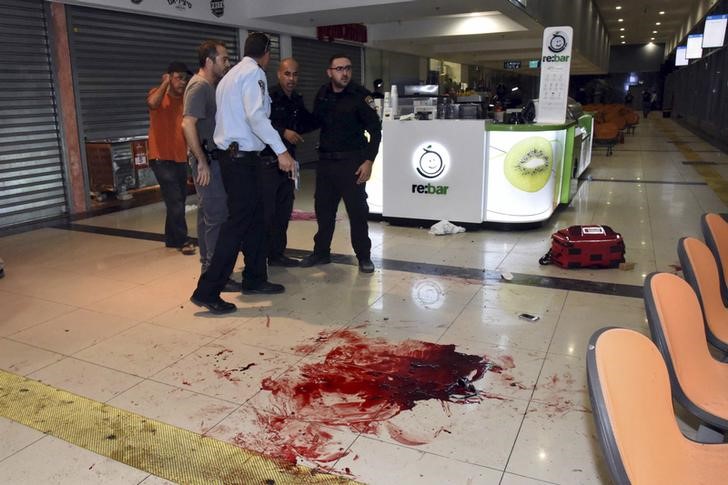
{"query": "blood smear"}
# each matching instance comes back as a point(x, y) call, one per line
point(359, 386)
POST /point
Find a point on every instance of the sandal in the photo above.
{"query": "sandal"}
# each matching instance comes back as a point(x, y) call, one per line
point(188, 249)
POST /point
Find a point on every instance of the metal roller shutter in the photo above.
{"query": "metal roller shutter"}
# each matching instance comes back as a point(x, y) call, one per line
point(275, 60)
point(118, 57)
point(31, 170)
point(313, 59)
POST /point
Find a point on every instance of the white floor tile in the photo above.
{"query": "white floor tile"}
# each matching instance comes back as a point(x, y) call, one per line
point(231, 371)
point(21, 312)
point(74, 331)
point(190, 411)
point(143, 350)
point(372, 461)
point(85, 379)
point(51, 460)
point(15, 437)
point(22, 359)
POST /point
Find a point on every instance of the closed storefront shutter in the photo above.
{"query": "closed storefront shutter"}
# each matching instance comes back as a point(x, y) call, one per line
point(118, 57)
point(313, 59)
point(31, 173)
point(275, 60)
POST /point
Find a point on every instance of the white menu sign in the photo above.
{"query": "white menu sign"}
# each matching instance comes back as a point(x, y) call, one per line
point(695, 46)
point(714, 33)
point(555, 65)
point(680, 59)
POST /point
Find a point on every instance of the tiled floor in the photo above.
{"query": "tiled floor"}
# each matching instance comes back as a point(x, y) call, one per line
point(107, 317)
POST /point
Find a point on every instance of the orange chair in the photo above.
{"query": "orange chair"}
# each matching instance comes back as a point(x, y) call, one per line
point(699, 381)
point(629, 389)
point(701, 271)
point(619, 121)
point(606, 134)
point(633, 119)
point(715, 233)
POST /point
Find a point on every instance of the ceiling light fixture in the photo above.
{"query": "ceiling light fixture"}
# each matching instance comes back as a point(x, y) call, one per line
point(619, 7)
point(654, 31)
point(621, 29)
point(620, 20)
point(652, 38)
point(621, 37)
point(623, 42)
point(657, 23)
point(662, 12)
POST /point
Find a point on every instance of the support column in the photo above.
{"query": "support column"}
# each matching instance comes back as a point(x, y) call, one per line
point(66, 102)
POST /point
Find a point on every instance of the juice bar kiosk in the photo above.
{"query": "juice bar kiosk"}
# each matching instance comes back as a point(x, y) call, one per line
point(475, 171)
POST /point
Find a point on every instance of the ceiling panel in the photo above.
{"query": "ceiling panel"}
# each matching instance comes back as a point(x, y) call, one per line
point(639, 19)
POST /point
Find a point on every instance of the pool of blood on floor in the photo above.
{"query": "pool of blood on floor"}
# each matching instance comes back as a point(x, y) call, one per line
point(360, 384)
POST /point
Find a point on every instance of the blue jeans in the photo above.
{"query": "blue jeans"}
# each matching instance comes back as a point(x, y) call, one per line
point(172, 178)
point(212, 210)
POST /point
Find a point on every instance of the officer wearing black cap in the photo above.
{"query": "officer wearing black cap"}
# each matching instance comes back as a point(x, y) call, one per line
point(242, 130)
point(344, 110)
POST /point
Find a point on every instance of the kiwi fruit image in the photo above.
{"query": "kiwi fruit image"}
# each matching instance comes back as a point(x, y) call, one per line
point(528, 164)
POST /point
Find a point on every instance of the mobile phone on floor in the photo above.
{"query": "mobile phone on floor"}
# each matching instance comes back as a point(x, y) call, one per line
point(529, 317)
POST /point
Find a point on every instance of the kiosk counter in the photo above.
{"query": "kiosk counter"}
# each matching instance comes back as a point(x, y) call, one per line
point(475, 171)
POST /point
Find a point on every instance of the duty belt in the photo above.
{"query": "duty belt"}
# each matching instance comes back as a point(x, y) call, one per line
point(340, 155)
point(233, 151)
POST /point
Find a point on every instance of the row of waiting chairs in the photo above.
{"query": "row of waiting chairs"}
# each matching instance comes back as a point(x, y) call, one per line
point(632, 381)
point(611, 122)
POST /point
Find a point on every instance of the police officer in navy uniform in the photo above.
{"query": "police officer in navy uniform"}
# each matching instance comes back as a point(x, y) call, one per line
point(291, 118)
point(242, 130)
point(344, 111)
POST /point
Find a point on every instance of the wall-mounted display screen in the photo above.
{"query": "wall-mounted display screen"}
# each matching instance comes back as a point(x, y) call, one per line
point(680, 59)
point(511, 64)
point(714, 33)
point(534, 64)
point(695, 46)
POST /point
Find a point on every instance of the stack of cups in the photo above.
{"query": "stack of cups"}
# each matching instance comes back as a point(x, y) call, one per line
point(394, 101)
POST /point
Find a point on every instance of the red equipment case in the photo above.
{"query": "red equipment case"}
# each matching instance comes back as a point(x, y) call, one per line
point(585, 247)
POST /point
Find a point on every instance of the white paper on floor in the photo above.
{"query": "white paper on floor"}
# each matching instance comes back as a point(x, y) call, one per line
point(445, 227)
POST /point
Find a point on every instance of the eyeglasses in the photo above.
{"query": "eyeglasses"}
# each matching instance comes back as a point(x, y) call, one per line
point(341, 68)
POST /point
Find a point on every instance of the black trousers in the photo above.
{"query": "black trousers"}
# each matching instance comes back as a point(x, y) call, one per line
point(243, 229)
point(278, 196)
point(336, 180)
point(172, 178)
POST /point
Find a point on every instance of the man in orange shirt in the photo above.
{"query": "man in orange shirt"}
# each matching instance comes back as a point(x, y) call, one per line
point(168, 152)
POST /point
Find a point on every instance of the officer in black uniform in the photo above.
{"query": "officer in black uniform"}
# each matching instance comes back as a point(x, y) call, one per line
point(344, 110)
point(291, 118)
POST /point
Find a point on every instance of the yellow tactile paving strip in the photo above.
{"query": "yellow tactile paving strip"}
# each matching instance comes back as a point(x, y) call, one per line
point(163, 450)
point(712, 177)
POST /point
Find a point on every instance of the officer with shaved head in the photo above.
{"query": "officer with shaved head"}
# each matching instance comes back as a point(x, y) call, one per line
point(291, 118)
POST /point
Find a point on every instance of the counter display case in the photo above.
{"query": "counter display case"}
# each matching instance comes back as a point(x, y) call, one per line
point(525, 168)
point(476, 171)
